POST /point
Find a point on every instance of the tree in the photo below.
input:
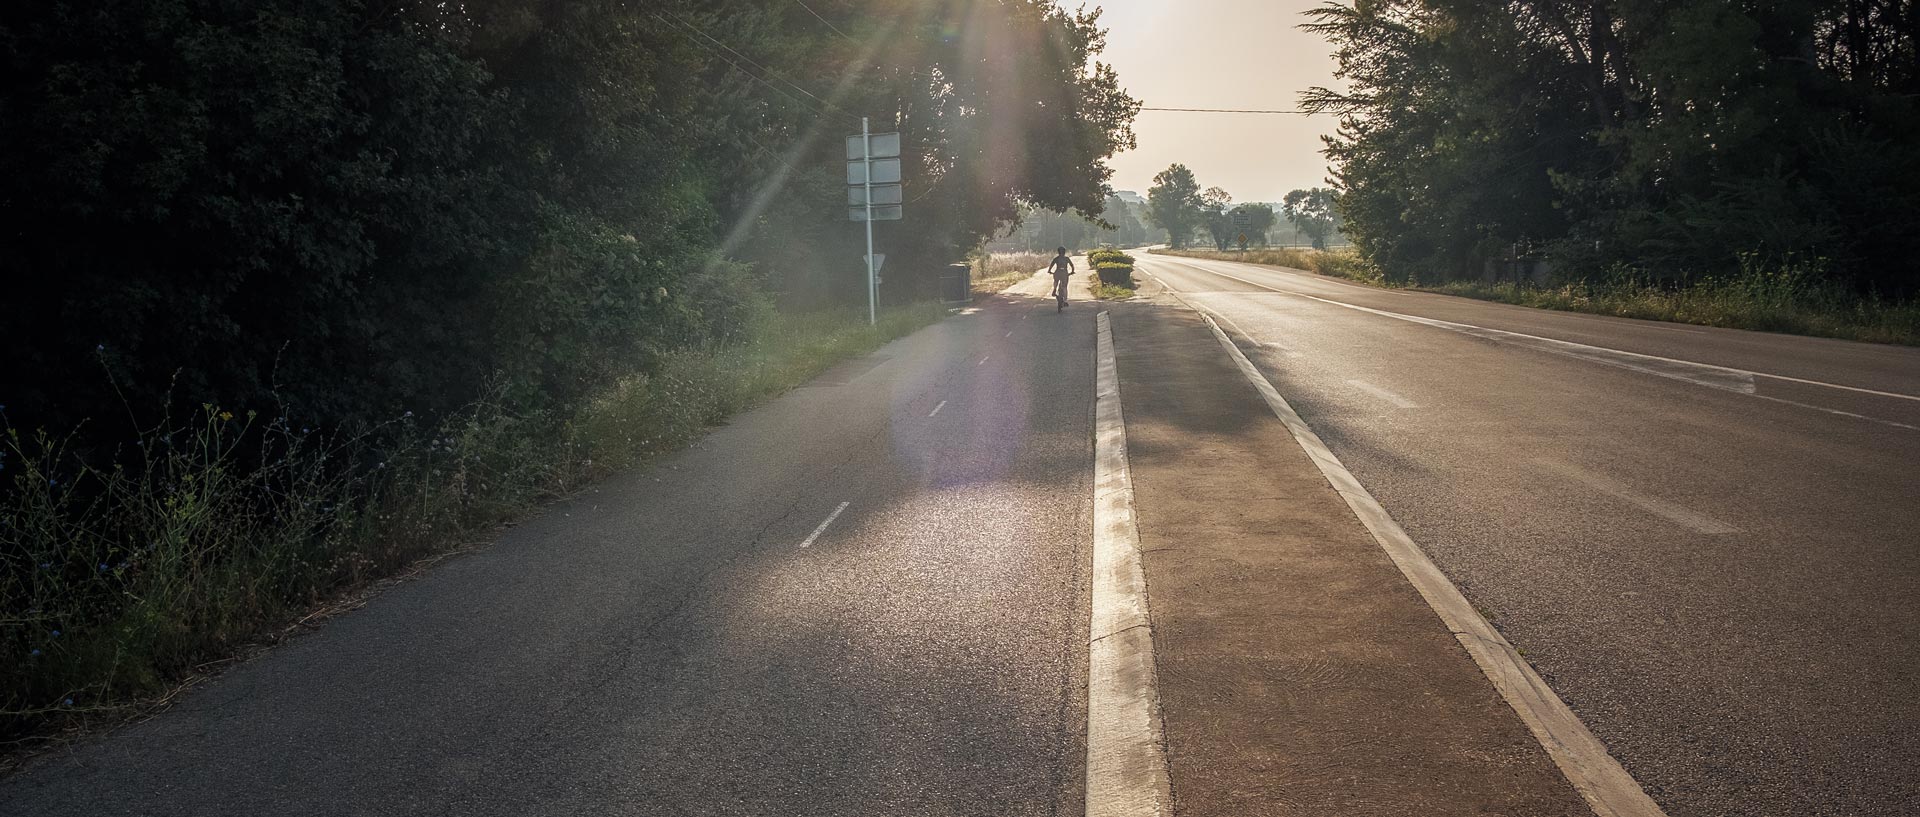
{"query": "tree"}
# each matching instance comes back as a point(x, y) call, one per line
point(1219, 222)
point(1174, 205)
point(1312, 212)
point(1253, 220)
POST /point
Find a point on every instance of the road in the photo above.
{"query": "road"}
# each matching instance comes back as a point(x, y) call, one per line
point(692, 640)
point(872, 596)
point(1715, 564)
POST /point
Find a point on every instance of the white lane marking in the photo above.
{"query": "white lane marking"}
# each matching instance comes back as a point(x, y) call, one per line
point(1383, 394)
point(1839, 412)
point(1126, 756)
point(1609, 790)
point(1288, 351)
point(1705, 374)
point(936, 409)
point(808, 542)
point(1684, 517)
point(983, 360)
point(1008, 334)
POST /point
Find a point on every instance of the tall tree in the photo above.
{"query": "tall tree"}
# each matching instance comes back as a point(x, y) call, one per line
point(1174, 205)
point(1312, 213)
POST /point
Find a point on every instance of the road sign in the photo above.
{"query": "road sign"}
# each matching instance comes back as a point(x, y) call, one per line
point(881, 212)
point(882, 194)
point(1242, 219)
point(885, 171)
point(885, 146)
point(879, 260)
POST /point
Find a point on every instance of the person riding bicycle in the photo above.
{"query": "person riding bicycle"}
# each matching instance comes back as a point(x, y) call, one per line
point(1061, 267)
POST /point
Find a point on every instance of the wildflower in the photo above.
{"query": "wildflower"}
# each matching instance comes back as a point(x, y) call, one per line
point(408, 414)
point(46, 565)
point(69, 702)
point(36, 652)
point(99, 347)
point(55, 634)
point(103, 567)
point(226, 415)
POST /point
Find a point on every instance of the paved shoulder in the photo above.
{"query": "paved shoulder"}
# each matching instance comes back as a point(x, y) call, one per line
point(1299, 672)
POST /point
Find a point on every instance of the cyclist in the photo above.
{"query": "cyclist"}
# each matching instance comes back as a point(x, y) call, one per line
point(1061, 267)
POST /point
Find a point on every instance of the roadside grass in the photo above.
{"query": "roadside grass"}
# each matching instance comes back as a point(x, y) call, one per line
point(993, 272)
point(219, 530)
point(1109, 292)
point(1790, 300)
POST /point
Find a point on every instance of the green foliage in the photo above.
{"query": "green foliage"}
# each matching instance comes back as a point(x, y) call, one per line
point(479, 217)
point(117, 580)
point(1313, 212)
point(1672, 138)
point(1113, 268)
point(1174, 204)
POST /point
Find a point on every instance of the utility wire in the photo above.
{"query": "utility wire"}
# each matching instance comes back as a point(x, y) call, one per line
point(768, 71)
point(753, 76)
point(816, 16)
point(1225, 110)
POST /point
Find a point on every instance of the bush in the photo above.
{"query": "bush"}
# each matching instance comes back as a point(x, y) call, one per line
point(1114, 273)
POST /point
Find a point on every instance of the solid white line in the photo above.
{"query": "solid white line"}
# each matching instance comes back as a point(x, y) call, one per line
point(983, 360)
point(808, 542)
point(1126, 756)
point(1684, 517)
point(1599, 354)
point(1008, 334)
point(1383, 394)
point(1606, 785)
point(1289, 352)
point(936, 409)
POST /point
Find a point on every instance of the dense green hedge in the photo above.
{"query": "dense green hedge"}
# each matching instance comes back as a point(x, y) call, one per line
point(1113, 267)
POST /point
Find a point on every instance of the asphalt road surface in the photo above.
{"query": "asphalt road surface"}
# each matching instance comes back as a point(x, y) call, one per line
point(691, 640)
point(1707, 540)
point(870, 597)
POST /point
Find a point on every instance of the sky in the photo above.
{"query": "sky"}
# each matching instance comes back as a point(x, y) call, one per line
point(1220, 54)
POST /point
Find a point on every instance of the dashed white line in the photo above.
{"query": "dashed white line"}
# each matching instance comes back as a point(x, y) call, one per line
point(983, 359)
point(808, 542)
point(1008, 334)
point(1396, 400)
point(936, 409)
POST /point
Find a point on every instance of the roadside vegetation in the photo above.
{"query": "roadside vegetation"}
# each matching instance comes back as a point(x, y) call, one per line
point(220, 527)
point(1794, 301)
point(299, 293)
point(1741, 165)
point(1112, 274)
point(996, 271)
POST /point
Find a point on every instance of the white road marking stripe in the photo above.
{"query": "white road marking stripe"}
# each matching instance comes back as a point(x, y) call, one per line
point(936, 409)
point(1839, 412)
point(1646, 363)
point(1698, 522)
point(1008, 334)
point(808, 542)
point(1383, 394)
point(983, 360)
point(1126, 757)
point(1609, 790)
point(1289, 352)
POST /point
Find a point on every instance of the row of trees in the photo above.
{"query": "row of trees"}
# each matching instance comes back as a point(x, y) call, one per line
point(1177, 204)
point(348, 210)
point(1680, 139)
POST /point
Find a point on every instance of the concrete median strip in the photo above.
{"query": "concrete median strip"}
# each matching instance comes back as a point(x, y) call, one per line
point(1126, 757)
point(1600, 779)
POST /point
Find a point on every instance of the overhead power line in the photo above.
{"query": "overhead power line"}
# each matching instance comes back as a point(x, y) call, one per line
point(1227, 110)
point(749, 60)
point(823, 20)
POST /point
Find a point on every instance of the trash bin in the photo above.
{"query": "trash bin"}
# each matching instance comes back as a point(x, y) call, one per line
point(956, 284)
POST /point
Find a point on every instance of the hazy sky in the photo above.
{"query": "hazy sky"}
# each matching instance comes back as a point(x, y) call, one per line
point(1220, 54)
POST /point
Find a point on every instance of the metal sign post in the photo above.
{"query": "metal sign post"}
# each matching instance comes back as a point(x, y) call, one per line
point(873, 289)
point(873, 194)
